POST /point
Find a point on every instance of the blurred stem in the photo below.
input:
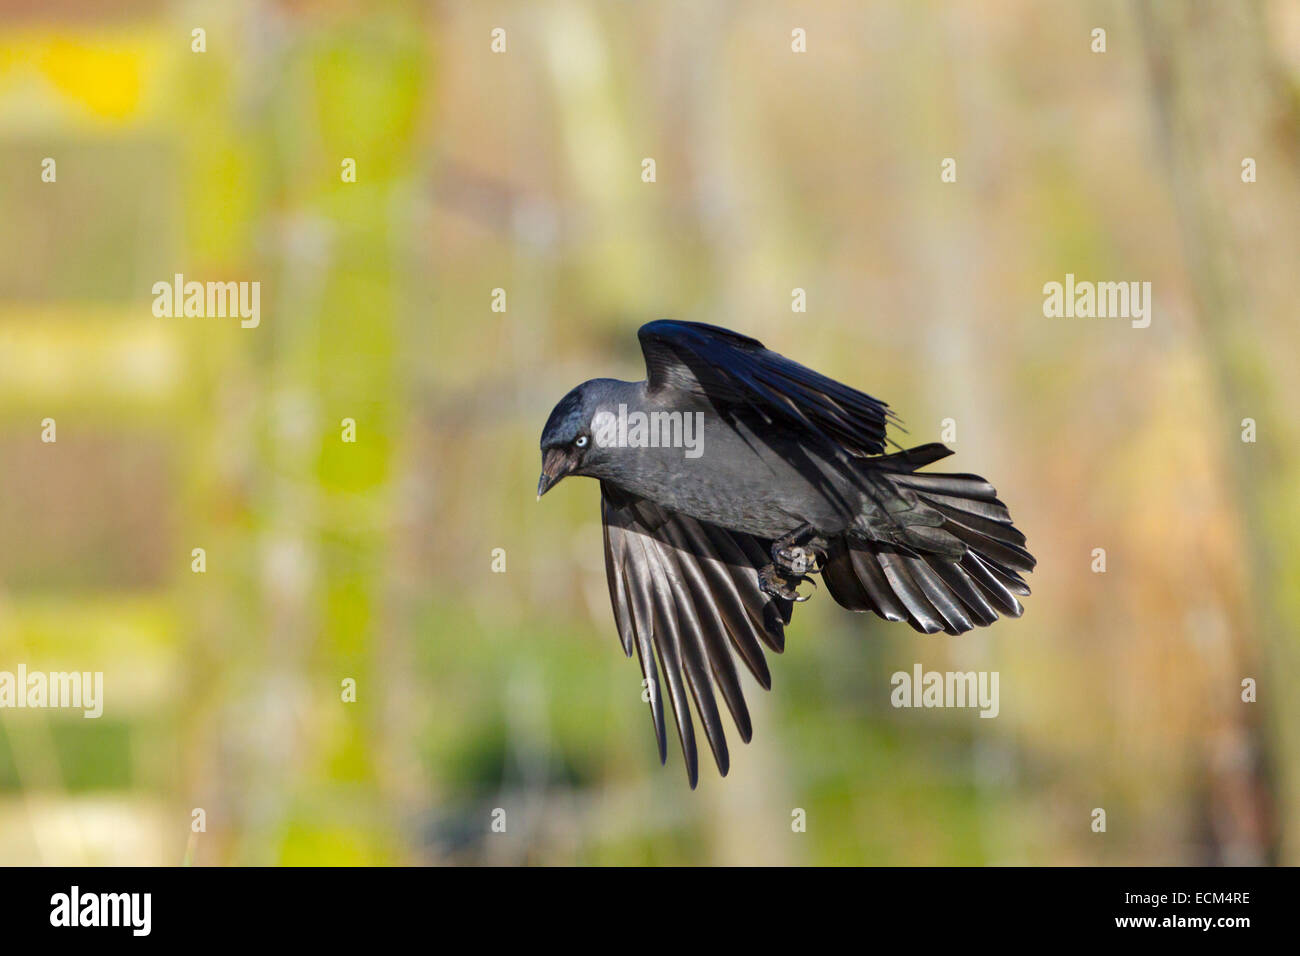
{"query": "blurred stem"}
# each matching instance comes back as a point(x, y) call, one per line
point(1215, 102)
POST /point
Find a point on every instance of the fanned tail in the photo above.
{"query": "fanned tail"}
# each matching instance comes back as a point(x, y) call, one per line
point(953, 562)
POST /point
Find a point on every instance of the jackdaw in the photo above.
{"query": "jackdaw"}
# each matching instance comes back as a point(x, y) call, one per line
point(728, 477)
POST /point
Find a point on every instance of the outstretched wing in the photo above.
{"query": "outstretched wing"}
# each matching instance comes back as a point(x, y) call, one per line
point(686, 598)
point(734, 372)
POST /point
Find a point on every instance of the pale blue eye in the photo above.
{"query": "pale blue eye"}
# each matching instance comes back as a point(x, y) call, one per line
point(582, 441)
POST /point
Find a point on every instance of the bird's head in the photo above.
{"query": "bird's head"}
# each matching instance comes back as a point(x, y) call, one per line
point(569, 445)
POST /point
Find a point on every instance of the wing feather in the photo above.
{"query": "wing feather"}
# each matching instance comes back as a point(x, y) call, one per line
point(663, 630)
point(737, 374)
point(686, 597)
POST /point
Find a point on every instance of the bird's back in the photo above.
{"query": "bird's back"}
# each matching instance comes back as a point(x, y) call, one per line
point(764, 481)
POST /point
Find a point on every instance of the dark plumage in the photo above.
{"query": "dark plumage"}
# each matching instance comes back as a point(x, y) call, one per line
point(767, 472)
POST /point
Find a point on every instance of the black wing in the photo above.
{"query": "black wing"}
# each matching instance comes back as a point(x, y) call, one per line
point(733, 371)
point(686, 596)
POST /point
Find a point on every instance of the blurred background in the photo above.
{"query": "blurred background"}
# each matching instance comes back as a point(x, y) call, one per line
point(522, 171)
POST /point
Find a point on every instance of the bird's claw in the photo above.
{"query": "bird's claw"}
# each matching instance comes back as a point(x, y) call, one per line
point(777, 583)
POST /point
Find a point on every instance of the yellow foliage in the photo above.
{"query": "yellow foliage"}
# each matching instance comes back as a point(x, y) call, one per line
point(106, 77)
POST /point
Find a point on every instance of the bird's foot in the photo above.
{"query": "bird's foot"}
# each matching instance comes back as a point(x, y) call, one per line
point(798, 559)
point(794, 556)
point(776, 582)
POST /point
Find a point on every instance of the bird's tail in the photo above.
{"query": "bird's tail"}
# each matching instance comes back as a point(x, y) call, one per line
point(949, 558)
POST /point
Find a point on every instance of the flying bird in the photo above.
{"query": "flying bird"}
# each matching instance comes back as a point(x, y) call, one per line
point(728, 478)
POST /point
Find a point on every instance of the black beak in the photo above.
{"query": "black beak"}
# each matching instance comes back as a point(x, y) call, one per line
point(555, 465)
